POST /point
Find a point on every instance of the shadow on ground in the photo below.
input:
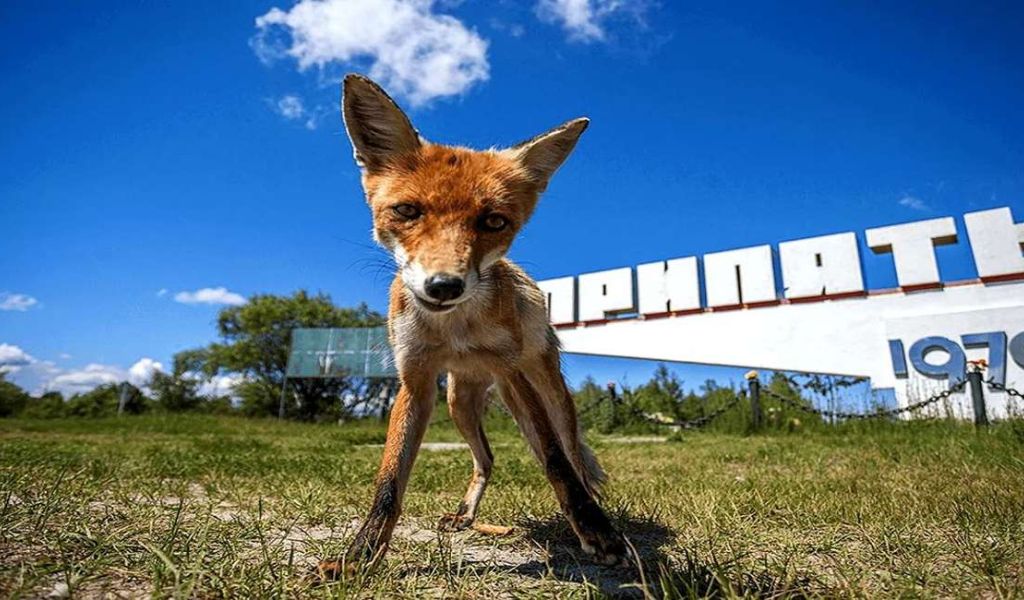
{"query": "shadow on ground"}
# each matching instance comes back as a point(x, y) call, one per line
point(663, 568)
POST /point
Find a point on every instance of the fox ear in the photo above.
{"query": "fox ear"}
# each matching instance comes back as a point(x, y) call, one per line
point(542, 155)
point(378, 129)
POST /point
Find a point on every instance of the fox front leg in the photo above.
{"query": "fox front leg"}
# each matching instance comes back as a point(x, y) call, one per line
point(409, 418)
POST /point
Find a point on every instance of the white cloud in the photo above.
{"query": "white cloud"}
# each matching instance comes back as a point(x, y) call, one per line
point(217, 295)
point(142, 371)
point(292, 108)
point(220, 385)
point(19, 302)
point(584, 20)
point(161, 292)
point(139, 374)
point(513, 29)
point(913, 203)
point(13, 358)
point(413, 51)
point(42, 376)
point(93, 375)
point(83, 380)
point(35, 376)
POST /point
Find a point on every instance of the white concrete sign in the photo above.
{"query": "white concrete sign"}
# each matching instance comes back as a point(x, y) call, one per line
point(819, 317)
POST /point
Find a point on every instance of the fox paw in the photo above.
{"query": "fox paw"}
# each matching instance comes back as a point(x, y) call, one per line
point(609, 550)
point(360, 560)
point(335, 569)
point(454, 522)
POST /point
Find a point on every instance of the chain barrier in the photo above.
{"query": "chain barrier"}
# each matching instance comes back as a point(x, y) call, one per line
point(955, 388)
point(1002, 388)
point(692, 423)
point(667, 421)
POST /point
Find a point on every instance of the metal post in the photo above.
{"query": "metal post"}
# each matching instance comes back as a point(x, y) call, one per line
point(280, 407)
point(614, 398)
point(122, 398)
point(754, 385)
point(384, 397)
point(978, 396)
point(288, 369)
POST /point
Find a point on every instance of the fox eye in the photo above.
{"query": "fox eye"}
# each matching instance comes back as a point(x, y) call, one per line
point(407, 211)
point(493, 222)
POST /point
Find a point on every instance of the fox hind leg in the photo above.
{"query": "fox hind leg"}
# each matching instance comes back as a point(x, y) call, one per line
point(545, 375)
point(467, 401)
point(588, 520)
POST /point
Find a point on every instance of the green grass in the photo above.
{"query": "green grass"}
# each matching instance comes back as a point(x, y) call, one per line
point(208, 506)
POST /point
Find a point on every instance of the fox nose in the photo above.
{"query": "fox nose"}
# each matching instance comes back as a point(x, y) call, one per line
point(443, 287)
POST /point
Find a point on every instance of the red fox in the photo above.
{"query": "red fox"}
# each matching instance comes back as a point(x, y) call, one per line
point(448, 215)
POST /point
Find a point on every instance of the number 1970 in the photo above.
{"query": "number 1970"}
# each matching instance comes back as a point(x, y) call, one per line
point(954, 369)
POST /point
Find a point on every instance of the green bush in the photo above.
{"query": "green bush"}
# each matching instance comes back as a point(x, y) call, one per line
point(12, 398)
point(48, 406)
point(103, 402)
point(175, 392)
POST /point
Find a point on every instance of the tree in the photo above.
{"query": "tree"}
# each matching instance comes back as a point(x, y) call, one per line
point(176, 391)
point(12, 398)
point(784, 386)
point(782, 415)
point(713, 397)
point(104, 400)
point(254, 343)
point(48, 406)
point(592, 404)
point(662, 394)
point(609, 408)
point(829, 387)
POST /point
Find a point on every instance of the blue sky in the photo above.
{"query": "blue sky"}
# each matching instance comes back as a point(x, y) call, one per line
point(152, 150)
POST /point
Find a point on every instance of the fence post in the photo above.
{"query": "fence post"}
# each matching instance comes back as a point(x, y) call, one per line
point(280, 406)
point(755, 399)
point(122, 397)
point(977, 396)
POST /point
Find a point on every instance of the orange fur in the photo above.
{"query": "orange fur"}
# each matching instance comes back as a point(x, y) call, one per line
point(453, 212)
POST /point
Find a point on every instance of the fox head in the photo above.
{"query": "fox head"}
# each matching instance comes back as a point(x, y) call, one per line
point(445, 213)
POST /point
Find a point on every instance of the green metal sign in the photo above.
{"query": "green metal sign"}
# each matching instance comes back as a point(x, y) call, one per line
point(342, 352)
